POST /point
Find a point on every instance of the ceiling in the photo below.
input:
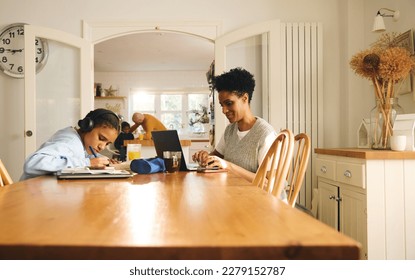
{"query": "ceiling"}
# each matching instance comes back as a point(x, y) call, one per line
point(154, 51)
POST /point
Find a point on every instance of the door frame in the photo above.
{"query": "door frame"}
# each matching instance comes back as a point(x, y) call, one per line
point(99, 31)
point(273, 89)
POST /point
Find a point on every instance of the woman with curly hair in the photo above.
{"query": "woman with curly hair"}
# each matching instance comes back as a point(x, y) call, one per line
point(247, 138)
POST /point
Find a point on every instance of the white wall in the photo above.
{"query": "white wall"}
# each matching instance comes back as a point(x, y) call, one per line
point(345, 29)
point(163, 80)
point(357, 96)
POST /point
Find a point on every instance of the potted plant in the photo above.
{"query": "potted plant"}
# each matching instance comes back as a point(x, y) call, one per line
point(200, 117)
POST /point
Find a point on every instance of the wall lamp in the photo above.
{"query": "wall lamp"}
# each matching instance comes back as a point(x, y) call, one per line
point(379, 24)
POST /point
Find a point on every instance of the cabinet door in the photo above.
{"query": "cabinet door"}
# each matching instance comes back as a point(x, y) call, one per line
point(328, 209)
point(353, 217)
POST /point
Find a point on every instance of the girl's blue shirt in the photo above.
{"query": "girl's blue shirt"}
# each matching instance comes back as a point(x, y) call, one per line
point(63, 150)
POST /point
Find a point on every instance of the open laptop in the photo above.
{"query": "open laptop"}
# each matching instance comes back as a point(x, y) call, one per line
point(168, 140)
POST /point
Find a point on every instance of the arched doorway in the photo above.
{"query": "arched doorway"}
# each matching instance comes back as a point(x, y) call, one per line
point(166, 58)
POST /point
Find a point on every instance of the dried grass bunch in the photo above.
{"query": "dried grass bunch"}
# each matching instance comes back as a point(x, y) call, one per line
point(385, 64)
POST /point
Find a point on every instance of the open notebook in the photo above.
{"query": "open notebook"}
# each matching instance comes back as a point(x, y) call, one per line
point(88, 173)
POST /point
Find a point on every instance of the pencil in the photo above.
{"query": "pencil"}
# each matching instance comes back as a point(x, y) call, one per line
point(93, 152)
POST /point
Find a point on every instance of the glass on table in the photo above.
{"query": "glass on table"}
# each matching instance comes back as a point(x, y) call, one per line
point(172, 161)
point(133, 151)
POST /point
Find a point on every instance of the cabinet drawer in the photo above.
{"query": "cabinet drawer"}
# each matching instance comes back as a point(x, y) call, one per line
point(350, 173)
point(326, 168)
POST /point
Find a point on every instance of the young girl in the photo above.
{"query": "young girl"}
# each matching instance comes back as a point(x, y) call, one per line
point(75, 147)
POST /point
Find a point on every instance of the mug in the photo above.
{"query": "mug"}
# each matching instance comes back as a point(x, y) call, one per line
point(398, 142)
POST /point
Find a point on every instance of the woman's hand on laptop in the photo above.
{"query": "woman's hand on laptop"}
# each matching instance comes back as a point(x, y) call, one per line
point(205, 160)
point(201, 158)
point(216, 162)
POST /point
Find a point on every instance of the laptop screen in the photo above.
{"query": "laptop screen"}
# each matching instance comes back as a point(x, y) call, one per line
point(168, 140)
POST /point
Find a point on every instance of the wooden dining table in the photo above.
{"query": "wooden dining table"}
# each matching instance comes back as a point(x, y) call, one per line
point(184, 215)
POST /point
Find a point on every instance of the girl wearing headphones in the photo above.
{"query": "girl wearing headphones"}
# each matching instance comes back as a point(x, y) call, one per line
point(75, 147)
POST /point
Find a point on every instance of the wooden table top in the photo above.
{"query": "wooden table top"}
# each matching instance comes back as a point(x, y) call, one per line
point(186, 215)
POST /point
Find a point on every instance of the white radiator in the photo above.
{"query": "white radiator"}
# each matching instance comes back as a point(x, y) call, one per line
point(302, 90)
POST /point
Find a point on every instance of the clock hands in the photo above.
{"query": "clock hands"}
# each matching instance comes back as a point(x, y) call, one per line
point(13, 51)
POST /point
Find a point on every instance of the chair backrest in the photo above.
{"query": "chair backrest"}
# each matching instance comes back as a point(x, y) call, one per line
point(298, 167)
point(5, 178)
point(274, 168)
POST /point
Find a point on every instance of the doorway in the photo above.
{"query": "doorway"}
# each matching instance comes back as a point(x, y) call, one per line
point(135, 56)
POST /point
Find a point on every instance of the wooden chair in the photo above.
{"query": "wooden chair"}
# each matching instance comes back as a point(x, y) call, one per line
point(273, 171)
point(298, 167)
point(5, 178)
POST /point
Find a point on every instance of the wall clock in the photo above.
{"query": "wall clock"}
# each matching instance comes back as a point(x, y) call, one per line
point(12, 51)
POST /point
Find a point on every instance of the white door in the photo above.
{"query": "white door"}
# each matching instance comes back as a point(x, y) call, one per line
point(353, 217)
point(328, 205)
point(61, 93)
point(257, 49)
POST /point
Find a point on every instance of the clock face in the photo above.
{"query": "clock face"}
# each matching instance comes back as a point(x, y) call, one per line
point(12, 51)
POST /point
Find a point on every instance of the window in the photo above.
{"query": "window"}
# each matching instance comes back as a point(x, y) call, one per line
point(176, 110)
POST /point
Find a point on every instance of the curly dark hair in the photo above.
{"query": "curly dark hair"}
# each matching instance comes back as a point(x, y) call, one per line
point(237, 80)
point(125, 125)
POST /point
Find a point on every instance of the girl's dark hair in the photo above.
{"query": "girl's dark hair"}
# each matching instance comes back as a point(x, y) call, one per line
point(108, 118)
point(237, 80)
point(99, 117)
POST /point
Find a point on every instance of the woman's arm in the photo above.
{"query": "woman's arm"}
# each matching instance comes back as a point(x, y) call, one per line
point(215, 161)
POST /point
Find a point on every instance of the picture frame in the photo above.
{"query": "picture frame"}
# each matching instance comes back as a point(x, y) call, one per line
point(406, 40)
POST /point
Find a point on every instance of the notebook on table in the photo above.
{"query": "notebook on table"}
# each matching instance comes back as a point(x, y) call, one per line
point(87, 173)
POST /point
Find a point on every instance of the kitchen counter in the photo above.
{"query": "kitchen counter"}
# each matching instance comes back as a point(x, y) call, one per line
point(148, 143)
point(365, 153)
point(148, 150)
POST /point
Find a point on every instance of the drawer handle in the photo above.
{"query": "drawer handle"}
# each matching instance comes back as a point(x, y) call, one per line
point(348, 174)
point(323, 169)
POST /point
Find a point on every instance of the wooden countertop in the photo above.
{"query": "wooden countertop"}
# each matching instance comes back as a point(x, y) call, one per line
point(365, 153)
point(187, 215)
point(150, 143)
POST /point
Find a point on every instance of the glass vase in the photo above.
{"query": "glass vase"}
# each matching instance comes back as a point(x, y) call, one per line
point(382, 117)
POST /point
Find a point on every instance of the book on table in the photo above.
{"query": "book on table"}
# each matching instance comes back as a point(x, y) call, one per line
point(90, 173)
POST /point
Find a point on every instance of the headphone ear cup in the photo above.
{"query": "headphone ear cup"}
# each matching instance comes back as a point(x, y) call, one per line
point(86, 124)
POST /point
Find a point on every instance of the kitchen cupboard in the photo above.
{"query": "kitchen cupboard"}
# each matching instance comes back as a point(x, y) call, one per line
point(368, 195)
point(344, 209)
